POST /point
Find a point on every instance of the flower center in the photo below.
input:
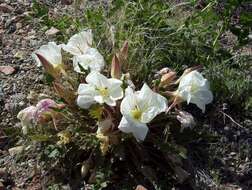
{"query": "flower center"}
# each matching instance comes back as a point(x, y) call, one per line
point(103, 91)
point(193, 87)
point(136, 113)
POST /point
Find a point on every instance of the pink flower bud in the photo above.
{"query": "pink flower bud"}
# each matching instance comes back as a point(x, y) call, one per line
point(45, 108)
point(167, 78)
point(116, 68)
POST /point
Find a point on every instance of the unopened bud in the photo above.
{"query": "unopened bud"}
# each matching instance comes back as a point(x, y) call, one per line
point(164, 71)
point(186, 119)
point(45, 109)
point(52, 69)
point(167, 78)
point(115, 68)
point(105, 125)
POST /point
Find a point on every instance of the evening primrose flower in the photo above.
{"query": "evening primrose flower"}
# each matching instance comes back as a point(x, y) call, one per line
point(194, 88)
point(79, 43)
point(84, 57)
point(139, 108)
point(51, 52)
point(91, 59)
point(99, 89)
point(41, 113)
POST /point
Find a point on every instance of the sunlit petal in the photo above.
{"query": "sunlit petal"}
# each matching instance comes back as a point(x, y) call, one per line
point(139, 130)
point(51, 52)
point(139, 108)
point(100, 89)
point(79, 43)
point(194, 88)
point(91, 59)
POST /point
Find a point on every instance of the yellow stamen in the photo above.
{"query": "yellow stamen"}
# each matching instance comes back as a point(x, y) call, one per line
point(193, 87)
point(136, 114)
point(103, 92)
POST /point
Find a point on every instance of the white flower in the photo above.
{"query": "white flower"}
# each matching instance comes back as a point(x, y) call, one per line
point(51, 52)
point(26, 116)
point(79, 43)
point(91, 59)
point(194, 88)
point(99, 90)
point(138, 109)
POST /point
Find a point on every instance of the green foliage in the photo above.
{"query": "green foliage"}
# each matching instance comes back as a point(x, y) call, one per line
point(39, 9)
point(167, 35)
point(241, 29)
point(61, 23)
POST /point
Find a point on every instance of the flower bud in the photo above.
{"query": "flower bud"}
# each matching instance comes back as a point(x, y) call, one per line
point(53, 70)
point(105, 125)
point(186, 119)
point(164, 71)
point(115, 68)
point(45, 109)
point(167, 78)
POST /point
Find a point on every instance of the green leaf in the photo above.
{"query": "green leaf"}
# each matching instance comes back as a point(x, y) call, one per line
point(40, 138)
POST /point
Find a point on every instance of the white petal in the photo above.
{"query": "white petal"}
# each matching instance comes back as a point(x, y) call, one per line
point(194, 88)
point(110, 101)
point(36, 59)
point(99, 99)
point(86, 89)
point(91, 59)
point(201, 98)
point(51, 52)
point(193, 76)
point(26, 116)
point(86, 95)
point(128, 103)
point(85, 101)
point(79, 43)
point(129, 91)
point(115, 90)
point(150, 103)
point(76, 63)
point(139, 130)
point(124, 126)
point(97, 79)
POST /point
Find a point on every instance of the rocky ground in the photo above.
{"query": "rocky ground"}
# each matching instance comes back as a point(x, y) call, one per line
point(19, 76)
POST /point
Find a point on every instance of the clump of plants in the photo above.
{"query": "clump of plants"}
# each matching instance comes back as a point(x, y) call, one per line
point(102, 127)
